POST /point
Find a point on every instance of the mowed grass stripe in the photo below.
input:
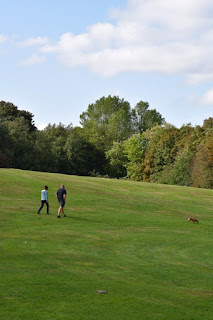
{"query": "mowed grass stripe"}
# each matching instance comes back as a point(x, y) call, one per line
point(131, 239)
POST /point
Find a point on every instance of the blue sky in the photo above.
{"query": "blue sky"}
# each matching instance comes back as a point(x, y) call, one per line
point(57, 57)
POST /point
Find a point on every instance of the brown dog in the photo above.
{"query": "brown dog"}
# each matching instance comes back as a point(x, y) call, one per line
point(192, 219)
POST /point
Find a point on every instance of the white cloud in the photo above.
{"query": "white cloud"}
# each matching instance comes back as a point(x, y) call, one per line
point(34, 59)
point(33, 42)
point(208, 98)
point(197, 78)
point(161, 36)
point(2, 38)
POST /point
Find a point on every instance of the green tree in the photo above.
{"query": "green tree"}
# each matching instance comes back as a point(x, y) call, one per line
point(161, 151)
point(9, 112)
point(106, 121)
point(202, 175)
point(5, 147)
point(135, 151)
point(208, 123)
point(57, 136)
point(117, 160)
point(181, 171)
point(82, 156)
point(144, 119)
point(45, 159)
point(22, 144)
point(17, 128)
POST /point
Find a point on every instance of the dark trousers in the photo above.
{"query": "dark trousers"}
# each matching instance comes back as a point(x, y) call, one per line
point(42, 204)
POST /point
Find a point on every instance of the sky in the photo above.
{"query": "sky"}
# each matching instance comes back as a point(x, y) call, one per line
point(59, 56)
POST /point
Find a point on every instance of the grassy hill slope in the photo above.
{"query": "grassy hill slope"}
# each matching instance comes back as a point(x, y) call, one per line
point(131, 239)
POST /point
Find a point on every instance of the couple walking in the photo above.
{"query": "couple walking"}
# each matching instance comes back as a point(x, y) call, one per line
point(60, 195)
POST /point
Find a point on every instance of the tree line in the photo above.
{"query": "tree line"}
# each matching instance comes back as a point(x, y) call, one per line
point(113, 140)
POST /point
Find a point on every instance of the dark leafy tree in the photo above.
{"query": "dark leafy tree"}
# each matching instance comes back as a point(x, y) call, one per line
point(113, 140)
point(57, 137)
point(22, 144)
point(5, 147)
point(9, 112)
point(45, 159)
point(82, 156)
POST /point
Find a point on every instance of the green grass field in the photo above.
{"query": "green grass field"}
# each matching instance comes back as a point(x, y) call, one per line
point(129, 238)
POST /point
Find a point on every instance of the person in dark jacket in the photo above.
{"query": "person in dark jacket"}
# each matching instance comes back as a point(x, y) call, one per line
point(61, 196)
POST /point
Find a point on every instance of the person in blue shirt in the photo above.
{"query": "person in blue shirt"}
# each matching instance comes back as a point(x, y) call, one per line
point(44, 199)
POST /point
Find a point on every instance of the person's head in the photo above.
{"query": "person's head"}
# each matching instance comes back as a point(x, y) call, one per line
point(46, 187)
point(62, 186)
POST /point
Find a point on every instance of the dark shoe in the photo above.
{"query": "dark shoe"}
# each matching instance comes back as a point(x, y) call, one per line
point(58, 216)
point(38, 212)
point(64, 215)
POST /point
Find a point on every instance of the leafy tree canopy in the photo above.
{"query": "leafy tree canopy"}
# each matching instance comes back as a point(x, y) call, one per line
point(107, 121)
point(144, 119)
point(9, 112)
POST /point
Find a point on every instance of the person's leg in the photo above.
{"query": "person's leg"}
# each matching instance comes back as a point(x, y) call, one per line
point(42, 204)
point(47, 203)
point(59, 211)
point(63, 210)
